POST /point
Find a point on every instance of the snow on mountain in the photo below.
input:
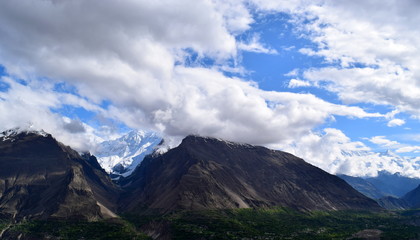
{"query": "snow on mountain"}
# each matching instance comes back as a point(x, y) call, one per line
point(11, 133)
point(369, 163)
point(121, 156)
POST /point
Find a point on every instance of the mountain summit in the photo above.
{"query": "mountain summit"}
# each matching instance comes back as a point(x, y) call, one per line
point(208, 173)
point(41, 178)
point(121, 156)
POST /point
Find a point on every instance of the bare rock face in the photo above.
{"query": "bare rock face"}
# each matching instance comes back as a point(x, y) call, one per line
point(393, 203)
point(41, 178)
point(207, 173)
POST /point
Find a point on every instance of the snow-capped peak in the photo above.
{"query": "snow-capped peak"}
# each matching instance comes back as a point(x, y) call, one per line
point(121, 156)
point(389, 153)
point(370, 164)
point(11, 133)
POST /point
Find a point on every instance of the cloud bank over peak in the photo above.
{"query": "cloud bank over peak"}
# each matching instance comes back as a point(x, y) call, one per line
point(176, 67)
point(334, 152)
point(137, 56)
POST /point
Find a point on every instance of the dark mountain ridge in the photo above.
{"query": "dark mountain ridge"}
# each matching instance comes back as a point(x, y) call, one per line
point(413, 197)
point(363, 186)
point(411, 200)
point(41, 178)
point(207, 173)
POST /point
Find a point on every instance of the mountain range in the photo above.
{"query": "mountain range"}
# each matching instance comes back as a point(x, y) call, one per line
point(391, 191)
point(41, 178)
point(208, 173)
point(121, 156)
point(384, 185)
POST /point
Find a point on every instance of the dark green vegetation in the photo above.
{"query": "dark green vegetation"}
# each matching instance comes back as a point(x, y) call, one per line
point(3, 224)
point(281, 224)
point(54, 229)
point(276, 223)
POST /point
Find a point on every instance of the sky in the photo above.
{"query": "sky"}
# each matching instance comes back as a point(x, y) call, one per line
point(334, 82)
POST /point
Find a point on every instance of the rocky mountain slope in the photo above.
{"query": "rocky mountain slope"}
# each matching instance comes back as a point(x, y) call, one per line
point(207, 173)
point(393, 203)
point(41, 178)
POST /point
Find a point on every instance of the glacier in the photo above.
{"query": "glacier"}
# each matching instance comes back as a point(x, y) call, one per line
point(121, 156)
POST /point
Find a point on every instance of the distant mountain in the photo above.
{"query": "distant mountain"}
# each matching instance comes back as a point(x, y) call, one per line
point(362, 185)
point(391, 191)
point(395, 184)
point(408, 201)
point(383, 185)
point(207, 173)
point(121, 156)
point(41, 178)
point(413, 197)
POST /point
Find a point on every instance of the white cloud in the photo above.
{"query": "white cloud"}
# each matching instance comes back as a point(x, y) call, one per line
point(398, 147)
point(334, 152)
point(294, 83)
point(123, 53)
point(384, 142)
point(293, 73)
point(236, 14)
point(372, 47)
point(144, 57)
point(24, 105)
point(407, 149)
point(395, 122)
point(255, 45)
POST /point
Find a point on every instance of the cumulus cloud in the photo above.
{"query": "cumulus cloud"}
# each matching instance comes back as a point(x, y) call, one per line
point(407, 149)
point(395, 122)
point(334, 152)
point(24, 105)
point(140, 62)
point(74, 126)
point(139, 56)
point(371, 47)
point(398, 147)
point(384, 142)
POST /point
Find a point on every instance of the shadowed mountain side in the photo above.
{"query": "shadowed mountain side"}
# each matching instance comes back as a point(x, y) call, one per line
point(393, 203)
point(41, 178)
point(413, 197)
point(410, 201)
point(207, 173)
point(394, 185)
point(363, 186)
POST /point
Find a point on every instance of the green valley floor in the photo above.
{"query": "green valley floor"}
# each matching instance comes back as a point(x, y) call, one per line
point(277, 223)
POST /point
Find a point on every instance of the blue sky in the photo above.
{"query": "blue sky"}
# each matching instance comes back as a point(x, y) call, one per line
point(320, 79)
